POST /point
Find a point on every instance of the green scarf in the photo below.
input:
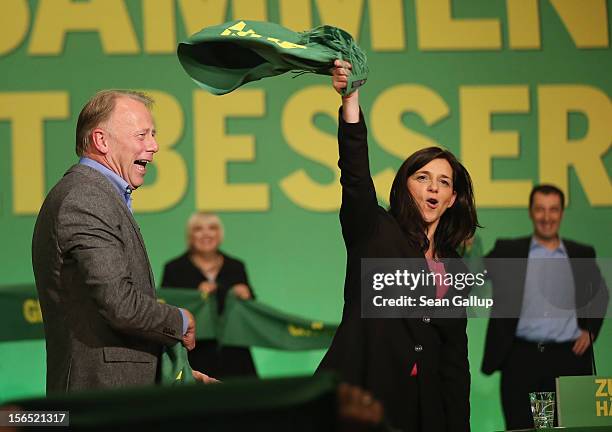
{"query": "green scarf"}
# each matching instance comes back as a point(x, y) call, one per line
point(222, 58)
point(174, 367)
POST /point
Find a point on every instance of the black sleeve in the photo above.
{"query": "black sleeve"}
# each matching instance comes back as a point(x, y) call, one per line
point(359, 204)
point(232, 273)
point(596, 293)
point(494, 253)
point(493, 263)
point(175, 276)
point(455, 375)
point(166, 277)
point(242, 275)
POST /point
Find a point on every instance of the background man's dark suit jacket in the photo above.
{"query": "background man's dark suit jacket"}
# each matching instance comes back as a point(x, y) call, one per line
point(103, 325)
point(508, 279)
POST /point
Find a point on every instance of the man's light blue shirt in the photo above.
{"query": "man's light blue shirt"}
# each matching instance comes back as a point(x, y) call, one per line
point(549, 302)
point(125, 191)
point(123, 187)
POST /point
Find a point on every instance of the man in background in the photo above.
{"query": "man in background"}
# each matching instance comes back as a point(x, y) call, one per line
point(103, 325)
point(539, 334)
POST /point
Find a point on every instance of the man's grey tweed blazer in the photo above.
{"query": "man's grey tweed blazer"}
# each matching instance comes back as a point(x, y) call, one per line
point(103, 325)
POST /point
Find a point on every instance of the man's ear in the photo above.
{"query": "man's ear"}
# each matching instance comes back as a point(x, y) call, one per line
point(99, 140)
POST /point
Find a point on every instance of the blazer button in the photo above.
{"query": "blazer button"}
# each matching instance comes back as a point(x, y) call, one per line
point(426, 319)
point(418, 348)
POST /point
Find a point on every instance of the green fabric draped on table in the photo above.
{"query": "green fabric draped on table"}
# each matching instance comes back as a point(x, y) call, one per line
point(224, 57)
point(305, 403)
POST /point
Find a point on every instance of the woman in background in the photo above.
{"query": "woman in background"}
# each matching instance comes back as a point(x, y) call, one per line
point(417, 367)
point(205, 268)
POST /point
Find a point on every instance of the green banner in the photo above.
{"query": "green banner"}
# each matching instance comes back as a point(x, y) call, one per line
point(584, 401)
point(243, 323)
point(246, 322)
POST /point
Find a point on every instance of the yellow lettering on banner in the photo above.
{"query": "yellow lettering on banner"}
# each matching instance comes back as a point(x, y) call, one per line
point(171, 179)
point(387, 25)
point(602, 408)
point(295, 14)
point(297, 331)
point(285, 44)
point(27, 113)
point(198, 14)
point(254, 10)
point(437, 30)
point(392, 135)
point(601, 390)
point(585, 20)
point(523, 24)
point(558, 152)
point(238, 29)
point(316, 325)
point(159, 26)
point(346, 14)
point(303, 137)
point(31, 311)
point(480, 144)
point(109, 18)
point(14, 22)
point(214, 148)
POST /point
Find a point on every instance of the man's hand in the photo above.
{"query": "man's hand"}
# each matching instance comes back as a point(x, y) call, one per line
point(241, 291)
point(203, 378)
point(582, 343)
point(357, 409)
point(207, 287)
point(189, 336)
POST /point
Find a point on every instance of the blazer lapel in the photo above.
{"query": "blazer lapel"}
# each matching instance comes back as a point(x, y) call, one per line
point(113, 194)
point(582, 286)
point(136, 230)
point(522, 253)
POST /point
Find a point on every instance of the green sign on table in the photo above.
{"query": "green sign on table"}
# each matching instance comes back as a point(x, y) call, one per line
point(584, 401)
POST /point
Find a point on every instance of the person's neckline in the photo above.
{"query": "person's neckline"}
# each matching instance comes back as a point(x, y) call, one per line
point(547, 244)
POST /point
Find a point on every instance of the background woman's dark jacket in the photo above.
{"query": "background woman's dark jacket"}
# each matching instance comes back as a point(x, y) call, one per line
point(208, 356)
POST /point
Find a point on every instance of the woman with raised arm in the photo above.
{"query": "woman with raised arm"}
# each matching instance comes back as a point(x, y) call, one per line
point(419, 367)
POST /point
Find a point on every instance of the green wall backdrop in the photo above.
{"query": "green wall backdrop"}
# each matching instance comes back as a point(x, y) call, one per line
point(519, 89)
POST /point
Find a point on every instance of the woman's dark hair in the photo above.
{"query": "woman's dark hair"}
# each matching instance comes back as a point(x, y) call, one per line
point(457, 224)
